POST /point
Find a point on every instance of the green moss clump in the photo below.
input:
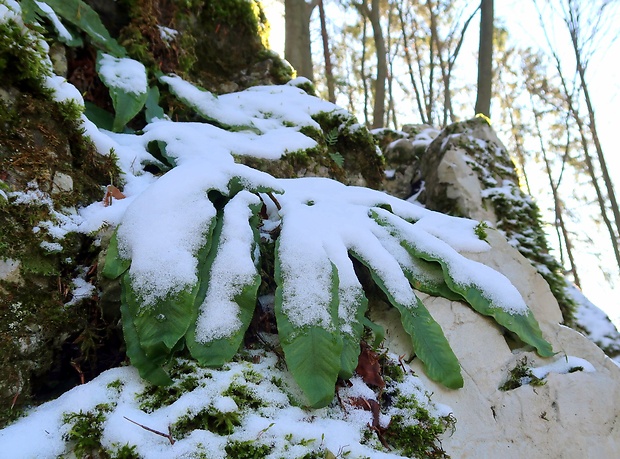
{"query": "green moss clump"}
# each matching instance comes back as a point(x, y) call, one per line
point(209, 419)
point(84, 437)
point(415, 432)
point(184, 375)
point(520, 375)
point(243, 396)
point(247, 450)
point(23, 59)
point(42, 140)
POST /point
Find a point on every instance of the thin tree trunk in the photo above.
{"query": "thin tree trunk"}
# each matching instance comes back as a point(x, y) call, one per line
point(443, 65)
point(485, 59)
point(373, 13)
point(431, 73)
point(592, 125)
point(409, 64)
point(390, 78)
point(329, 75)
point(452, 61)
point(363, 70)
point(590, 166)
point(297, 44)
point(559, 224)
point(584, 143)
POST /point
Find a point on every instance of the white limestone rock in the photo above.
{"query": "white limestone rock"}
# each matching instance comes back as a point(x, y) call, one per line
point(573, 415)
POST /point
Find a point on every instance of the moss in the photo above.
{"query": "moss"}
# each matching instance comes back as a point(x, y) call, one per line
point(481, 231)
point(418, 440)
point(125, 452)
point(40, 139)
point(415, 432)
point(209, 419)
point(236, 32)
point(356, 145)
point(391, 371)
point(22, 59)
point(243, 396)
point(185, 380)
point(84, 436)
point(143, 40)
point(520, 375)
point(247, 450)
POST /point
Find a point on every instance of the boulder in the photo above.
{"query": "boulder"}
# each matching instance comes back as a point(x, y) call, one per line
point(569, 415)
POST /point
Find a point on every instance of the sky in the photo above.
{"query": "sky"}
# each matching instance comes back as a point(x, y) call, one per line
point(521, 20)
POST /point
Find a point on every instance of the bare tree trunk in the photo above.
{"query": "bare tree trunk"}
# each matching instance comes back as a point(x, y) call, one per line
point(406, 41)
point(297, 45)
point(329, 75)
point(485, 59)
point(590, 166)
point(581, 70)
point(431, 70)
point(614, 236)
point(373, 14)
point(390, 80)
point(363, 70)
point(557, 203)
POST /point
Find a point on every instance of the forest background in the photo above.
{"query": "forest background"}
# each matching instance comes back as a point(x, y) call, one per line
point(560, 139)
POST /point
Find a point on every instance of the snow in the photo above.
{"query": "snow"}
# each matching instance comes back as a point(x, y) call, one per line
point(63, 90)
point(124, 73)
point(595, 324)
point(261, 108)
point(563, 365)
point(60, 28)
point(167, 34)
point(82, 289)
point(292, 431)
point(10, 11)
point(232, 270)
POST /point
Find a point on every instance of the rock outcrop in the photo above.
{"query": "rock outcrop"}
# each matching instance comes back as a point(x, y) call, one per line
point(564, 415)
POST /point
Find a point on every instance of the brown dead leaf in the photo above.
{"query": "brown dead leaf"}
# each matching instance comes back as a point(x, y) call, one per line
point(367, 405)
point(368, 367)
point(112, 193)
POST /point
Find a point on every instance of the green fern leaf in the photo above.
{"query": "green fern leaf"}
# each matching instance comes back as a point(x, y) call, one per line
point(331, 137)
point(429, 342)
point(312, 353)
point(217, 351)
point(337, 158)
point(114, 265)
point(150, 368)
point(127, 103)
point(86, 19)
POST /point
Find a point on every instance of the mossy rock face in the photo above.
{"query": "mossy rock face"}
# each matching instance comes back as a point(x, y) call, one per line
point(47, 170)
point(516, 214)
point(220, 45)
point(345, 151)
